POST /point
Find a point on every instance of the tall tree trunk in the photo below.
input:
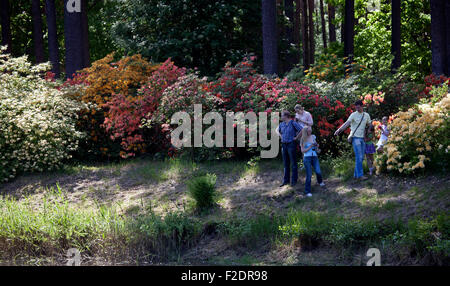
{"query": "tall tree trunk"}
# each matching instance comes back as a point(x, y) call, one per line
point(296, 31)
point(6, 25)
point(305, 37)
point(311, 31)
point(85, 27)
point(447, 25)
point(396, 34)
point(38, 38)
point(349, 25)
point(324, 27)
point(73, 39)
point(270, 42)
point(53, 49)
point(289, 12)
point(331, 26)
point(438, 37)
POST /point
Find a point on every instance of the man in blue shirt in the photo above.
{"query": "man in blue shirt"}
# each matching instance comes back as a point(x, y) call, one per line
point(289, 131)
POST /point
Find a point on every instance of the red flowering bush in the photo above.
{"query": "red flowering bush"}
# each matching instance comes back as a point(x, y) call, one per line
point(328, 113)
point(124, 115)
point(433, 80)
point(187, 91)
point(242, 89)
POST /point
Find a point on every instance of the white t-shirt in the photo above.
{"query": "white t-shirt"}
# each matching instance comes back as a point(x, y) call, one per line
point(354, 120)
point(306, 116)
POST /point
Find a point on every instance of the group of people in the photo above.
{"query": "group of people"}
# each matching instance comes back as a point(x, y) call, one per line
point(297, 130)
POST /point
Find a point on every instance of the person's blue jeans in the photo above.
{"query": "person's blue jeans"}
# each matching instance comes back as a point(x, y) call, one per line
point(358, 147)
point(311, 162)
point(289, 153)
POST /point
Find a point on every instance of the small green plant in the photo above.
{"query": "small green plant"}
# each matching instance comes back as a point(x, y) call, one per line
point(203, 190)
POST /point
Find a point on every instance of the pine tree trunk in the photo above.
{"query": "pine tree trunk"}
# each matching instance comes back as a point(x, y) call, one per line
point(73, 41)
point(311, 31)
point(270, 42)
point(331, 26)
point(305, 37)
point(296, 31)
point(349, 25)
point(53, 49)
point(85, 27)
point(324, 27)
point(289, 12)
point(396, 34)
point(438, 37)
point(6, 25)
point(447, 25)
point(38, 38)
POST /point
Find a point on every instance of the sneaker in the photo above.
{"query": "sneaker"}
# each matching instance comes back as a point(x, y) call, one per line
point(309, 195)
point(363, 178)
point(284, 184)
point(322, 184)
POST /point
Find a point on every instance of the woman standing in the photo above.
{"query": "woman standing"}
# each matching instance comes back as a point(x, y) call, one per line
point(309, 149)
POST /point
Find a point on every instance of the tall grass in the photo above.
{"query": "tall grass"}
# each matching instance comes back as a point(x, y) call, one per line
point(54, 226)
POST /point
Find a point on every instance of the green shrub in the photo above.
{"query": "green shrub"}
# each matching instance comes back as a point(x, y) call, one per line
point(203, 190)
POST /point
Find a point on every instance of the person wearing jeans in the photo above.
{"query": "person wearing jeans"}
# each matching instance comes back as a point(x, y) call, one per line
point(310, 159)
point(357, 121)
point(289, 154)
point(358, 147)
point(289, 131)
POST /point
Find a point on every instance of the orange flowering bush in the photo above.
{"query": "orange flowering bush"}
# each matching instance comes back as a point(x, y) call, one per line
point(101, 82)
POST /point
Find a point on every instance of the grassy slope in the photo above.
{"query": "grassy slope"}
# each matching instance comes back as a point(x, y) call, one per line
point(246, 192)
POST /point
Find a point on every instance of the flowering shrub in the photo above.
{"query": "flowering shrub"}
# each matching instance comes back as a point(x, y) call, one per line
point(125, 113)
point(102, 81)
point(433, 80)
point(37, 121)
point(188, 90)
point(419, 137)
point(328, 114)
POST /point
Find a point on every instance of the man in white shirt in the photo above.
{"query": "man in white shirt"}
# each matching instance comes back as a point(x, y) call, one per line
point(357, 121)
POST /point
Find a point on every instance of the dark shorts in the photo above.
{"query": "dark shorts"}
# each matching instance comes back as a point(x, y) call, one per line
point(370, 149)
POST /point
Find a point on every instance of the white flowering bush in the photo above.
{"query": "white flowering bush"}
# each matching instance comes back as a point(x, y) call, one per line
point(37, 121)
